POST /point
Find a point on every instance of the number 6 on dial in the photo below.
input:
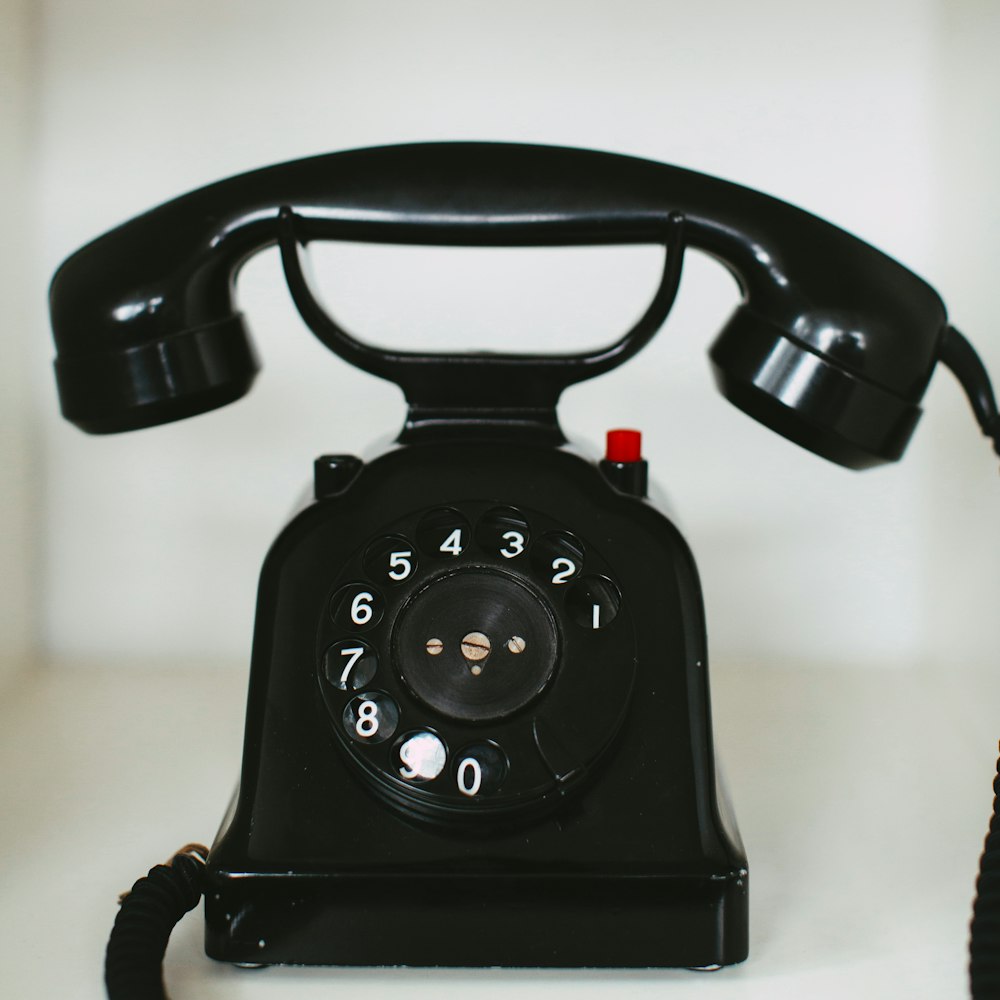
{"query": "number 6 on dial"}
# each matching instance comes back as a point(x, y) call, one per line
point(361, 608)
point(357, 606)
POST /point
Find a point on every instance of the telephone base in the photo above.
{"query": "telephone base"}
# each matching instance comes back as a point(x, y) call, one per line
point(594, 920)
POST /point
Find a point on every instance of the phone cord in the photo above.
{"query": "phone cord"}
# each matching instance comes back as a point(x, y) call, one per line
point(133, 962)
point(984, 948)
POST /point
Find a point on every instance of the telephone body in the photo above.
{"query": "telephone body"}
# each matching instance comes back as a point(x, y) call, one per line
point(478, 728)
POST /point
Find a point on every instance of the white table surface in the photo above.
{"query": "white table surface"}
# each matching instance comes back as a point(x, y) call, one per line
point(863, 797)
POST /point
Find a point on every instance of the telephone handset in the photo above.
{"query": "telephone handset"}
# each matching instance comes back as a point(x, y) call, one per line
point(479, 671)
point(832, 346)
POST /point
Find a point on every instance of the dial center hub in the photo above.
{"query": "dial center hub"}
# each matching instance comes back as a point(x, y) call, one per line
point(475, 645)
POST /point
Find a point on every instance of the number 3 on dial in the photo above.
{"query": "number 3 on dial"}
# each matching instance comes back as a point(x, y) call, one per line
point(514, 546)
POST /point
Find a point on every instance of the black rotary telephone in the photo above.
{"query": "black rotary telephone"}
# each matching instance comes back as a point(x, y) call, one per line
point(469, 691)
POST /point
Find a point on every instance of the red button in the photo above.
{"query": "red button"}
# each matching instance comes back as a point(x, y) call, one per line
point(624, 446)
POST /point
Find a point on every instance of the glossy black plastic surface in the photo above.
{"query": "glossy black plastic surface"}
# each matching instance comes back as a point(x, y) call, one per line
point(609, 844)
point(807, 398)
point(147, 329)
point(388, 814)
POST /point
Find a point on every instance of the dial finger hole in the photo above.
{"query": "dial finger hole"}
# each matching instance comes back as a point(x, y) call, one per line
point(420, 756)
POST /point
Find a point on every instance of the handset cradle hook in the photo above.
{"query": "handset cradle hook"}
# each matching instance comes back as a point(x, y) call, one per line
point(451, 392)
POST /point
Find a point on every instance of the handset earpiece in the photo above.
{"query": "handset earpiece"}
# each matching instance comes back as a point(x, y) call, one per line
point(832, 346)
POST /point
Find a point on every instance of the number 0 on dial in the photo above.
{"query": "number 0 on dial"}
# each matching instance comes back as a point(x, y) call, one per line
point(480, 770)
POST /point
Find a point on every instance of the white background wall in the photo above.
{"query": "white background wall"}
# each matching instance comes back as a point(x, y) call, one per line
point(878, 115)
point(22, 325)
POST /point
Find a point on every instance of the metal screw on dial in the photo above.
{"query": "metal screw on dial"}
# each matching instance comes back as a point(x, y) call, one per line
point(475, 648)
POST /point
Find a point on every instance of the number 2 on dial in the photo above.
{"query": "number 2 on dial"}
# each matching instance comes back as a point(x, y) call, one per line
point(564, 569)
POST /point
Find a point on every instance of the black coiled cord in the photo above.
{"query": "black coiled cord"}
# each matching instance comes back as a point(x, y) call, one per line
point(133, 963)
point(984, 948)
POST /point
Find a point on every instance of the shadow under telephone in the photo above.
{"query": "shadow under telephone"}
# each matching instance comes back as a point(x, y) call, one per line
point(461, 643)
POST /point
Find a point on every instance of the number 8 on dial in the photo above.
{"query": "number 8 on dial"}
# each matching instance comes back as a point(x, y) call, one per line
point(371, 717)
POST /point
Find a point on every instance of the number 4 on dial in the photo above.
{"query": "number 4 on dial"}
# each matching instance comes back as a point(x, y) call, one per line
point(453, 544)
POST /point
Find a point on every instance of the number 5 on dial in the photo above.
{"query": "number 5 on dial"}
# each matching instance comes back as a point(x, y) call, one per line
point(391, 559)
point(400, 565)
